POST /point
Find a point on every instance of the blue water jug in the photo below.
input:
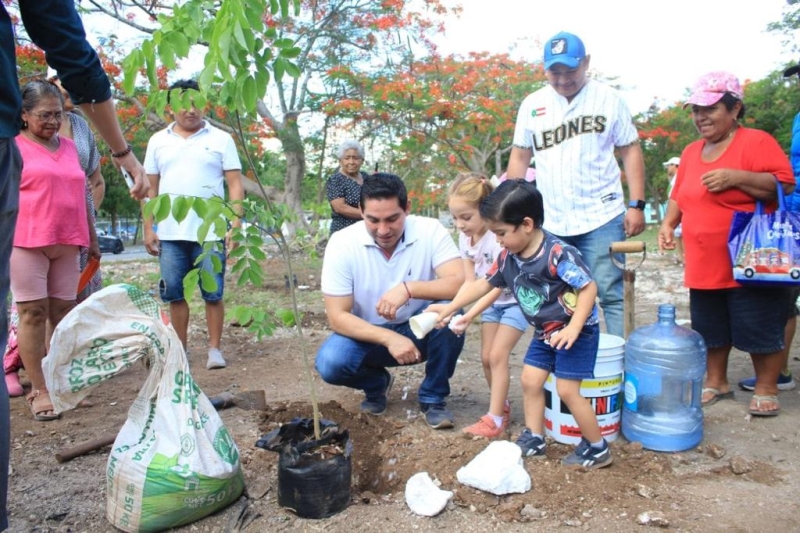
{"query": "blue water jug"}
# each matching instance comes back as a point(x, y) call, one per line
point(664, 368)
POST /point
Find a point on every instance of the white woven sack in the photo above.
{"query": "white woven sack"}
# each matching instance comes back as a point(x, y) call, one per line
point(173, 462)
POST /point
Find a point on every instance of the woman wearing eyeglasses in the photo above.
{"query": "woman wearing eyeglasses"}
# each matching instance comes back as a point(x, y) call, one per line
point(53, 222)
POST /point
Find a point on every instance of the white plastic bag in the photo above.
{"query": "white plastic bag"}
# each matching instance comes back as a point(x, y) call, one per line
point(173, 462)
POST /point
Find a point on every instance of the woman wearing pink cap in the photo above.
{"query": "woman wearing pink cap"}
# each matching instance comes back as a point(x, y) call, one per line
point(725, 171)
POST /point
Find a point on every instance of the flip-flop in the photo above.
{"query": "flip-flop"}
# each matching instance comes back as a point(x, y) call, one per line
point(771, 399)
point(717, 396)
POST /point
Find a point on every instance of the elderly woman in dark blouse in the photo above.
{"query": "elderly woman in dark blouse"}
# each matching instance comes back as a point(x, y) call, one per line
point(344, 186)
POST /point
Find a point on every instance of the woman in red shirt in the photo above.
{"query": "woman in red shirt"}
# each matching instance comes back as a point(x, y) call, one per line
point(728, 170)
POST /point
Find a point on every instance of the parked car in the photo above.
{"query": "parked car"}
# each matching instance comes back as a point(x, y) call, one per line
point(110, 243)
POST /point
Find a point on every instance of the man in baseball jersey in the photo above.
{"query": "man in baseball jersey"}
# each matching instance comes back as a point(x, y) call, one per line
point(572, 127)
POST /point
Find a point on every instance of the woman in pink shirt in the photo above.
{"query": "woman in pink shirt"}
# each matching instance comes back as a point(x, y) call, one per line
point(51, 226)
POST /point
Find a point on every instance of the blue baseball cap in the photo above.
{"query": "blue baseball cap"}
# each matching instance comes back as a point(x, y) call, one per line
point(565, 48)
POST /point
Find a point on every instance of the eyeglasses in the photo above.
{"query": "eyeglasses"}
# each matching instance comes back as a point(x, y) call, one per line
point(49, 116)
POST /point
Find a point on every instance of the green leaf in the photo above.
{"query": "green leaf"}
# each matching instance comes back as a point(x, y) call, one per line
point(238, 34)
point(200, 101)
point(208, 281)
point(243, 315)
point(167, 54)
point(273, 6)
point(287, 317)
point(293, 70)
point(180, 43)
point(290, 53)
point(200, 207)
point(180, 207)
point(190, 282)
point(162, 209)
point(202, 231)
point(220, 227)
point(216, 263)
point(283, 43)
point(279, 67)
point(249, 94)
point(258, 254)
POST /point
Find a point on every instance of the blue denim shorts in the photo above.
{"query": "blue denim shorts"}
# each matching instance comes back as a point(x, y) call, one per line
point(177, 258)
point(507, 315)
point(750, 318)
point(576, 363)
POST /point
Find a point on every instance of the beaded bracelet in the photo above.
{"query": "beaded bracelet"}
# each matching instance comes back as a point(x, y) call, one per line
point(123, 153)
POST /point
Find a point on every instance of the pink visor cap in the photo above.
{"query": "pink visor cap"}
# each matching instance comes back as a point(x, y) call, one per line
point(711, 87)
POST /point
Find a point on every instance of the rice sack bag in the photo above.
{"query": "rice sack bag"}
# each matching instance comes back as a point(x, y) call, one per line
point(173, 462)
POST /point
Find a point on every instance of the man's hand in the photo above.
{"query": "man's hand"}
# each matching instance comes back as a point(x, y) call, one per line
point(141, 184)
point(391, 301)
point(151, 242)
point(403, 350)
point(634, 222)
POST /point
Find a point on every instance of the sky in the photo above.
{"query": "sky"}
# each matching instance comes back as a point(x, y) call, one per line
point(655, 49)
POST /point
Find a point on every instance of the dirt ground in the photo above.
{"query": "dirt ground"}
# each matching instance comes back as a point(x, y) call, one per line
point(743, 477)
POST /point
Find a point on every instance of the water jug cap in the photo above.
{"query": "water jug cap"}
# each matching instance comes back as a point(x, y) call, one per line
point(666, 312)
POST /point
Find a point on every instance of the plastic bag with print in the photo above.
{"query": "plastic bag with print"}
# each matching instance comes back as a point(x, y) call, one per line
point(173, 462)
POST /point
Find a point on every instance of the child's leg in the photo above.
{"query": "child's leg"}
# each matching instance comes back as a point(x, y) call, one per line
point(488, 332)
point(569, 390)
point(533, 379)
point(504, 341)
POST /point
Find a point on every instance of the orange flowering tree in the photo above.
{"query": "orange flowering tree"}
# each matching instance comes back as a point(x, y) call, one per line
point(438, 115)
point(250, 45)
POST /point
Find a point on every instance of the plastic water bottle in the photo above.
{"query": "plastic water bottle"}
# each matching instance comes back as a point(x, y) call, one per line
point(664, 368)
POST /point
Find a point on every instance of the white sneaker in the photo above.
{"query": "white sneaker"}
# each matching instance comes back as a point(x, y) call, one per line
point(215, 359)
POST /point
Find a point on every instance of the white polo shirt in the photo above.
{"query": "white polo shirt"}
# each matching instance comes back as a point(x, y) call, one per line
point(193, 166)
point(573, 144)
point(355, 266)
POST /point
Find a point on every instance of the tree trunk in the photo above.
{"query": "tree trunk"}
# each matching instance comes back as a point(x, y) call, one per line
point(293, 149)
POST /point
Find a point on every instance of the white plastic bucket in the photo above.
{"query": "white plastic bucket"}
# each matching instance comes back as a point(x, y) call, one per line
point(605, 391)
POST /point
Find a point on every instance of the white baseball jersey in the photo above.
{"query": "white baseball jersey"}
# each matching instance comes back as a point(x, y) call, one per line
point(573, 145)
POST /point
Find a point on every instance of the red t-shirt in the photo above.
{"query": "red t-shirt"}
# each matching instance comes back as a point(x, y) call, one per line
point(706, 216)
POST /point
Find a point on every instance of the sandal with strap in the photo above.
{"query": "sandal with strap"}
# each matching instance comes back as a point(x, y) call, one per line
point(759, 399)
point(39, 401)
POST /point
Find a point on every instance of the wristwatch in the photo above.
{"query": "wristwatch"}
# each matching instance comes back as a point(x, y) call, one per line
point(636, 204)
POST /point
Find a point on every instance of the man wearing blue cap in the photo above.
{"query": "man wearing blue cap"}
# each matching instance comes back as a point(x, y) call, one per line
point(572, 127)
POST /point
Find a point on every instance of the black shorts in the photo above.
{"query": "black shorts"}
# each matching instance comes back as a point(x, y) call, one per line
point(752, 319)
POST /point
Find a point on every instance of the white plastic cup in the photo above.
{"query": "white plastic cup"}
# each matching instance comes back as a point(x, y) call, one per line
point(423, 323)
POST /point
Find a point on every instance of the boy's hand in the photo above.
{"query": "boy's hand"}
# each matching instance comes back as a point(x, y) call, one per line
point(459, 324)
point(564, 338)
point(441, 310)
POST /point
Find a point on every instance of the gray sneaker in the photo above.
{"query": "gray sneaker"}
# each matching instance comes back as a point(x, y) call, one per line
point(436, 415)
point(531, 445)
point(587, 457)
point(376, 405)
point(215, 359)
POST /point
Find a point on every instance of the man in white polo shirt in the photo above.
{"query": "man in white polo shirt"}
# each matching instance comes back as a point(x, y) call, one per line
point(191, 158)
point(572, 127)
point(376, 275)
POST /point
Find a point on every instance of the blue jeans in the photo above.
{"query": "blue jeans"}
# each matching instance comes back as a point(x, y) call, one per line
point(594, 249)
point(10, 170)
point(177, 258)
point(360, 365)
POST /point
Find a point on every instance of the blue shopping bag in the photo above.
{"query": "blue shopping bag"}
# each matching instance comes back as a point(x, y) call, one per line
point(765, 247)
